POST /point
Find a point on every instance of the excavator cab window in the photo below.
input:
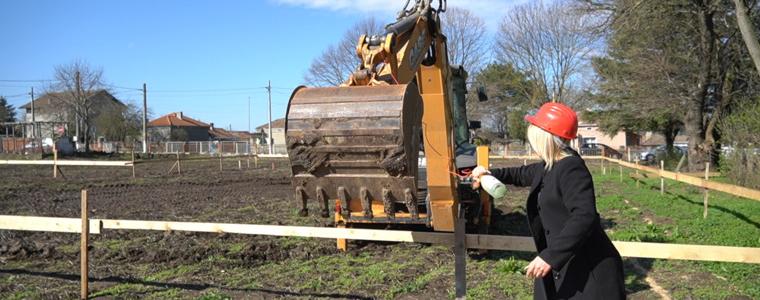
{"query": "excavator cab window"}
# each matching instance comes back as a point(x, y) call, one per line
point(482, 96)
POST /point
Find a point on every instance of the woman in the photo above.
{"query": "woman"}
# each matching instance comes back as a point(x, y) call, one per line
point(576, 259)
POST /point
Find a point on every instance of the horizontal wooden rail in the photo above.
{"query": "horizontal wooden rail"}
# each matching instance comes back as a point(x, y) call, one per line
point(46, 224)
point(696, 181)
point(272, 155)
point(473, 241)
point(533, 157)
point(102, 163)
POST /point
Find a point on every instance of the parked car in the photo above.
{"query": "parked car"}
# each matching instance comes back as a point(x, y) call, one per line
point(651, 154)
point(596, 149)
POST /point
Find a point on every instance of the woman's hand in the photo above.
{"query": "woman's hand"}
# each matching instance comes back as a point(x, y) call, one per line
point(537, 268)
point(476, 173)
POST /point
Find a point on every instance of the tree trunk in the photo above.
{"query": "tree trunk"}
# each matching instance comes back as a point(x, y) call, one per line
point(670, 132)
point(748, 32)
point(693, 121)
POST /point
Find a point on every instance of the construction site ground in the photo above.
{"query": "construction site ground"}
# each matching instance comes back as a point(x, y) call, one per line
point(166, 265)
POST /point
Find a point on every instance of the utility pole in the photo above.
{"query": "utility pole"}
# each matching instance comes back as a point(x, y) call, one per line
point(271, 140)
point(33, 129)
point(249, 114)
point(145, 119)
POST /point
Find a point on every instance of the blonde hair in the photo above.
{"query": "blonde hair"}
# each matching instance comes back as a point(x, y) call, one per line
point(550, 148)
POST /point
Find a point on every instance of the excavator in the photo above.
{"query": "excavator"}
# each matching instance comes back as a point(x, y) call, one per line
point(391, 144)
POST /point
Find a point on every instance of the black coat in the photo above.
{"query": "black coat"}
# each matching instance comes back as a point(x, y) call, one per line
point(566, 229)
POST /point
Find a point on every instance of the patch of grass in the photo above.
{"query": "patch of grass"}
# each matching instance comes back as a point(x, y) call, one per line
point(111, 244)
point(418, 283)
point(172, 293)
point(214, 295)
point(69, 248)
point(236, 248)
point(173, 272)
point(731, 221)
point(25, 294)
point(119, 289)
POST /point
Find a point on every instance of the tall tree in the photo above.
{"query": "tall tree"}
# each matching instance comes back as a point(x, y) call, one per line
point(333, 66)
point(467, 46)
point(549, 42)
point(675, 62)
point(466, 35)
point(120, 124)
point(7, 113)
point(749, 31)
point(74, 84)
point(509, 92)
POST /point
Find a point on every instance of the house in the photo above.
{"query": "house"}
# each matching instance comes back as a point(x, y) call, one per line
point(51, 110)
point(178, 127)
point(590, 133)
point(278, 132)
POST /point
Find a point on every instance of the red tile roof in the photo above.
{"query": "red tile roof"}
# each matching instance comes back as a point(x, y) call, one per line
point(176, 119)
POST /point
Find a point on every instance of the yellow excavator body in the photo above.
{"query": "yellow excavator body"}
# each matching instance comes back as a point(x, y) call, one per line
point(383, 145)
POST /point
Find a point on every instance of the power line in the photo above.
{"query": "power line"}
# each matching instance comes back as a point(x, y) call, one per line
point(16, 95)
point(27, 80)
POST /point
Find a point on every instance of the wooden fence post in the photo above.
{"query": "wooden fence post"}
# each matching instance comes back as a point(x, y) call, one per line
point(604, 171)
point(83, 266)
point(55, 161)
point(707, 191)
point(220, 160)
point(133, 161)
point(179, 165)
point(240, 165)
point(662, 179)
point(629, 152)
point(637, 173)
point(621, 172)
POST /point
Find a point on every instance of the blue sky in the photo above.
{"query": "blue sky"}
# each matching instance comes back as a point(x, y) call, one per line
point(204, 58)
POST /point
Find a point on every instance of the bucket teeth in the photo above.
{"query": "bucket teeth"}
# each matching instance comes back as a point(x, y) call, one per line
point(388, 204)
point(366, 203)
point(411, 204)
point(345, 208)
point(301, 197)
point(322, 199)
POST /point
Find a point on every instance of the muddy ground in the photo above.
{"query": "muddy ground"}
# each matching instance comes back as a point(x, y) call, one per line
point(160, 265)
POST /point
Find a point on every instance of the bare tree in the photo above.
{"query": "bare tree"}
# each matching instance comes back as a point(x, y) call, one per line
point(466, 38)
point(75, 83)
point(549, 42)
point(334, 65)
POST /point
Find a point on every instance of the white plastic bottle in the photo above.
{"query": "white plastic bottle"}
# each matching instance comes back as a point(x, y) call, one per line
point(493, 186)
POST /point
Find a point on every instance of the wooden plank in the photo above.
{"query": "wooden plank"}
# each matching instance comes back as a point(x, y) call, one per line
point(689, 252)
point(534, 157)
point(46, 224)
point(67, 163)
point(696, 181)
point(278, 230)
point(473, 241)
point(272, 155)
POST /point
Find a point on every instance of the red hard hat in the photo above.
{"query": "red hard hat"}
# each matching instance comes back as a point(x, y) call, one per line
point(556, 118)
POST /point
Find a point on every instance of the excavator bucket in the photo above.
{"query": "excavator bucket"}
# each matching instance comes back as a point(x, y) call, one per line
point(356, 144)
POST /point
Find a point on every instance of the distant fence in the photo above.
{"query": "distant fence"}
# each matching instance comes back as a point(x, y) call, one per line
point(211, 148)
point(18, 145)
